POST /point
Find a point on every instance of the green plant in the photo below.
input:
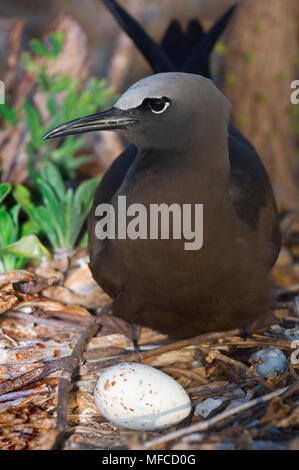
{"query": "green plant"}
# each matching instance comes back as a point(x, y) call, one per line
point(8, 114)
point(52, 49)
point(95, 95)
point(18, 244)
point(63, 212)
point(55, 212)
point(64, 102)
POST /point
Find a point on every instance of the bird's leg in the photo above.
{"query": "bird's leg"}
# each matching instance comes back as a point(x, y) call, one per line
point(118, 325)
point(135, 337)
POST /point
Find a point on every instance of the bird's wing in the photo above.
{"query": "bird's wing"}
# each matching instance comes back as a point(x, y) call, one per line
point(106, 189)
point(251, 191)
point(149, 49)
point(250, 188)
point(115, 175)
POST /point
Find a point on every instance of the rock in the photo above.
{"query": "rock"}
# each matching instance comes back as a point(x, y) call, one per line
point(290, 322)
point(206, 407)
point(285, 333)
point(292, 333)
point(240, 398)
point(269, 361)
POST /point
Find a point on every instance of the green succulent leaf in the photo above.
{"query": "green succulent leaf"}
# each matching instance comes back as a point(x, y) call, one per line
point(7, 231)
point(34, 124)
point(84, 241)
point(39, 48)
point(29, 228)
point(9, 114)
point(79, 161)
point(51, 105)
point(5, 189)
point(59, 213)
point(63, 213)
point(56, 40)
point(51, 175)
point(22, 196)
point(85, 193)
point(27, 62)
point(28, 247)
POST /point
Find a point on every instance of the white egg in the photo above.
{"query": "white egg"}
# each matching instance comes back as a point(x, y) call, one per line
point(137, 396)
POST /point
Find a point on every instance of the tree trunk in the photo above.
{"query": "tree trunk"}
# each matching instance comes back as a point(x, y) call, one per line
point(260, 64)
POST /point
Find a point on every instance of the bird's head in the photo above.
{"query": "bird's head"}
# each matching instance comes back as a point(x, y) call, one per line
point(162, 111)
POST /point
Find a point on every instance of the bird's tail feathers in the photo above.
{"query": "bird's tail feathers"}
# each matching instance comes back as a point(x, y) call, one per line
point(186, 52)
point(198, 61)
point(149, 49)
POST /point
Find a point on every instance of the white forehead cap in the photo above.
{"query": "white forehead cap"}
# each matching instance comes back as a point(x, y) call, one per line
point(154, 86)
point(172, 85)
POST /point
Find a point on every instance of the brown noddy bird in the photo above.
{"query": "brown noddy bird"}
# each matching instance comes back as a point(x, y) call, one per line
point(179, 124)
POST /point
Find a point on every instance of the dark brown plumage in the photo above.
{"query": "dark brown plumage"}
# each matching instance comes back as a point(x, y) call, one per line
point(189, 154)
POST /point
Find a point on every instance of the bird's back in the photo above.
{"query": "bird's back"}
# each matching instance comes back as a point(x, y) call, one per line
point(251, 191)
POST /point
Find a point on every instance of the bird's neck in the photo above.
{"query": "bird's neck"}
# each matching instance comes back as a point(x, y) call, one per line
point(207, 157)
point(210, 156)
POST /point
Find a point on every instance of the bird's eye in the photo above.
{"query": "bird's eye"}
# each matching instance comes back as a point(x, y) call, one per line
point(158, 105)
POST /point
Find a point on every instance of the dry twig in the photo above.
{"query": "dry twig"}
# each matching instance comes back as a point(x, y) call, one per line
point(141, 356)
point(66, 377)
point(210, 423)
point(32, 376)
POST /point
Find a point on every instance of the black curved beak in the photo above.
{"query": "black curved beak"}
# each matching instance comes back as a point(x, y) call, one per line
point(109, 120)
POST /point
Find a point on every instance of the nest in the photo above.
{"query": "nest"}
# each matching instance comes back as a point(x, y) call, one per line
point(53, 347)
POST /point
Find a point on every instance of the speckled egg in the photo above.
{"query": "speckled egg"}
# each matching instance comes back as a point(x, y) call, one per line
point(138, 397)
